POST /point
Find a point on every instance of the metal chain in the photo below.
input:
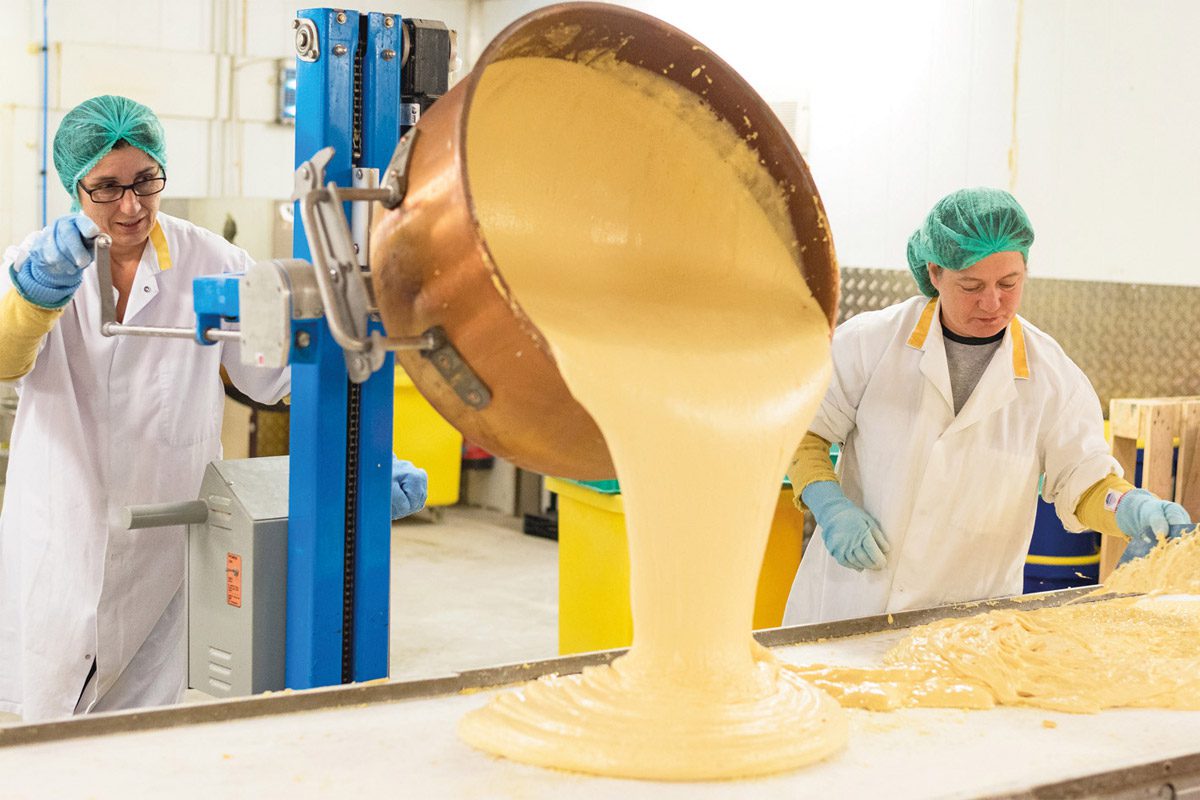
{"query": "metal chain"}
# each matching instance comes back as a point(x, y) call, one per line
point(353, 401)
point(353, 456)
point(356, 133)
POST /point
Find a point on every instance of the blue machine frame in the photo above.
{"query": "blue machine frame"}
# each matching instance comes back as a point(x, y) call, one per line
point(339, 531)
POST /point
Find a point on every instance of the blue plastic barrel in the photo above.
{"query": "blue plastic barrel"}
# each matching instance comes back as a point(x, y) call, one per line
point(1059, 559)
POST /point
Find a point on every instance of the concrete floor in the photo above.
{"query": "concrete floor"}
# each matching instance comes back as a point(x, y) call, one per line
point(470, 590)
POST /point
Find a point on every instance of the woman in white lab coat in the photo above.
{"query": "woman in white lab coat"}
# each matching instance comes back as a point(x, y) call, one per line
point(92, 617)
point(948, 408)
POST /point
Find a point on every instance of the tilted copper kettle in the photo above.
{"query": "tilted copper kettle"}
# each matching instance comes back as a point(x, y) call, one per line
point(431, 266)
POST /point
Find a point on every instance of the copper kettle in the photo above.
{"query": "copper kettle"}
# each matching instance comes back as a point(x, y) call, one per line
point(432, 269)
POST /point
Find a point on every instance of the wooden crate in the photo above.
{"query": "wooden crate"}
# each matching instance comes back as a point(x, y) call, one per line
point(1158, 423)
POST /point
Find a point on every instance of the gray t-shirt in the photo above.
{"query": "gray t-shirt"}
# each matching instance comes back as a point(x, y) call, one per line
point(967, 358)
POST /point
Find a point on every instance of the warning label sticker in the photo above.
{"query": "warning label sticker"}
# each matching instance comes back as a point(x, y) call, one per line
point(233, 579)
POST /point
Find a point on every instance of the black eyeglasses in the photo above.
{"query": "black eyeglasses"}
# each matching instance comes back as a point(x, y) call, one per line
point(112, 192)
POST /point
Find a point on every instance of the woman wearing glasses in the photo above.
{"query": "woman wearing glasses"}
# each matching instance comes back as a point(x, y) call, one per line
point(92, 617)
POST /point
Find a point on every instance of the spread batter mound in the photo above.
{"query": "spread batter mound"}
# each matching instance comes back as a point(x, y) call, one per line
point(653, 251)
point(1172, 567)
point(1119, 652)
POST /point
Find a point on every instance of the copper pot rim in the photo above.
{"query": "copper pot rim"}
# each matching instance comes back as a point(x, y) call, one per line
point(495, 52)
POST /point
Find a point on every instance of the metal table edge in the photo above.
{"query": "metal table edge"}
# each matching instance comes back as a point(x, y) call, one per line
point(289, 702)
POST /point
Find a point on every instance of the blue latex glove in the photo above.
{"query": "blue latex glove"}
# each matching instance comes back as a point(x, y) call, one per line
point(851, 535)
point(410, 486)
point(54, 268)
point(1143, 517)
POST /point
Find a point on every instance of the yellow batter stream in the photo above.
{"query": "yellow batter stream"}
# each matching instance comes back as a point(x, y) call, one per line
point(645, 241)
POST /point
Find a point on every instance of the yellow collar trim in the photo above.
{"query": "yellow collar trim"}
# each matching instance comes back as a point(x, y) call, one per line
point(159, 240)
point(919, 333)
point(1020, 357)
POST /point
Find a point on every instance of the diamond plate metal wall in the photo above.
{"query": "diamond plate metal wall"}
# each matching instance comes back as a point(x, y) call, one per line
point(1131, 340)
point(872, 289)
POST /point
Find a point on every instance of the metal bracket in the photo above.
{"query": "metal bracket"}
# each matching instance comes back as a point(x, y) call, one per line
point(308, 46)
point(360, 213)
point(273, 294)
point(344, 292)
point(451, 366)
point(395, 177)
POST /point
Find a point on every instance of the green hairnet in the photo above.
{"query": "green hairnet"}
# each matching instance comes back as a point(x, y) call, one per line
point(89, 131)
point(966, 227)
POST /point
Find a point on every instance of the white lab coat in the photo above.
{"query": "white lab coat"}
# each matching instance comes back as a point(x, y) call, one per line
point(103, 423)
point(955, 495)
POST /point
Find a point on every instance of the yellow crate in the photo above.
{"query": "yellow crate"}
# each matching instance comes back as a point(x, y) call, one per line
point(422, 436)
point(593, 568)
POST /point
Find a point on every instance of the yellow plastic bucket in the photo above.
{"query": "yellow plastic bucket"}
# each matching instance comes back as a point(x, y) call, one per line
point(422, 436)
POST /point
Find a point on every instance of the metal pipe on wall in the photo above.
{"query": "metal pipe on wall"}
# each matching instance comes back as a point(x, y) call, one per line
point(45, 103)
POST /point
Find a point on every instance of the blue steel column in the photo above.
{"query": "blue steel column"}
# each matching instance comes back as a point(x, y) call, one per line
point(380, 132)
point(316, 486)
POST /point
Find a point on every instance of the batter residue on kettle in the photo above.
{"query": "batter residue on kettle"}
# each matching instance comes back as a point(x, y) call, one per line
point(650, 247)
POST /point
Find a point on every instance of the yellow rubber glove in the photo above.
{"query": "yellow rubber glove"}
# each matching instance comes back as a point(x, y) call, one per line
point(22, 326)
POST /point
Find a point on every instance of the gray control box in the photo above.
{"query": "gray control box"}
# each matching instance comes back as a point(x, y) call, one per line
point(237, 579)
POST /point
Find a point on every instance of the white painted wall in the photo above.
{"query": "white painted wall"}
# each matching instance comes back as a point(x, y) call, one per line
point(900, 103)
point(1108, 120)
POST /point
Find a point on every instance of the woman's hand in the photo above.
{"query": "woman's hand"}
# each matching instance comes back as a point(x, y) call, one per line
point(54, 268)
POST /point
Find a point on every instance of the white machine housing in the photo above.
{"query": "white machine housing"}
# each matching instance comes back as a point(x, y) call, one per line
point(237, 579)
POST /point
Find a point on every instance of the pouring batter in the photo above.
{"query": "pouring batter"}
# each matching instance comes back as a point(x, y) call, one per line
point(647, 243)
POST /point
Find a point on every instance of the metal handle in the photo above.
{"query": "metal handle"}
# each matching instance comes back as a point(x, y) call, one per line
point(187, 512)
point(108, 306)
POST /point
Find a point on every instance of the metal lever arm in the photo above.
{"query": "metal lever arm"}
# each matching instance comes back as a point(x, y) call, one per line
point(108, 304)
